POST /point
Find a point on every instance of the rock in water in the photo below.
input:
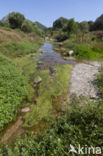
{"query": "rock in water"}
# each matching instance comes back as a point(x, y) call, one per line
point(70, 53)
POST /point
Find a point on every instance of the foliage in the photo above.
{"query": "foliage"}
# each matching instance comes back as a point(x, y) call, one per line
point(41, 96)
point(99, 81)
point(12, 90)
point(15, 19)
point(84, 26)
point(16, 49)
point(49, 89)
point(41, 26)
point(98, 24)
point(4, 24)
point(82, 124)
point(27, 26)
point(70, 27)
point(59, 23)
point(89, 52)
point(61, 36)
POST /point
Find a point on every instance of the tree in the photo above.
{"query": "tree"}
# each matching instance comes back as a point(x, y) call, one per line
point(90, 23)
point(98, 24)
point(16, 19)
point(27, 26)
point(70, 27)
point(84, 26)
point(59, 23)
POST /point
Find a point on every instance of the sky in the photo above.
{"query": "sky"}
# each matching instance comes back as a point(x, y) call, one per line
point(47, 11)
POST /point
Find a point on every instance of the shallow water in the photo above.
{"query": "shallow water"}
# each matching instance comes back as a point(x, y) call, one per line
point(51, 58)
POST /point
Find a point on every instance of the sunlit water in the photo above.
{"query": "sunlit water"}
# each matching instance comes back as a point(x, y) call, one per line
point(50, 58)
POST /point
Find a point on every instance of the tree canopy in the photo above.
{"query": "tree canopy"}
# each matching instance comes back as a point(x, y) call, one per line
point(59, 23)
point(16, 19)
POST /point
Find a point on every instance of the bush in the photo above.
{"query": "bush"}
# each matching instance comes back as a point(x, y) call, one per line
point(12, 90)
point(59, 23)
point(16, 19)
point(84, 52)
point(70, 27)
point(27, 26)
point(61, 37)
point(98, 24)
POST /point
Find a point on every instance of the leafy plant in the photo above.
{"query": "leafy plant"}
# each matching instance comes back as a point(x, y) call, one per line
point(12, 90)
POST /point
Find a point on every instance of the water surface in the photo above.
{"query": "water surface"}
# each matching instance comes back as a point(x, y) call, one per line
point(50, 58)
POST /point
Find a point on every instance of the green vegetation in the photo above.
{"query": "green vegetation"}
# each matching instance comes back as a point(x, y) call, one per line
point(27, 26)
point(88, 52)
point(41, 26)
point(82, 124)
point(12, 90)
point(98, 24)
point(50, 88)
point(16, 49)
point(14, 86)
point(43, 88)
point(15, 19)
point(99, 82)
point(59, 23)
point(70, 27)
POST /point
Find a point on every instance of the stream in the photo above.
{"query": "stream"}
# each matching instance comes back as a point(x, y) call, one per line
point(47, 58)
point(51, 58)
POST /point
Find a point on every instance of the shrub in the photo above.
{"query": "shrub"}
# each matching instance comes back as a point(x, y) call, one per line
point(98, 24)
point(16, 19)
point(27, 26)
point(61, 37)
point(84, 51)
point(70, 27)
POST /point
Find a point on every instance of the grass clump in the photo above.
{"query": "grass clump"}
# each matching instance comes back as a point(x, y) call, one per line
point(16, 49)
point(88, 52)
point(12, 90)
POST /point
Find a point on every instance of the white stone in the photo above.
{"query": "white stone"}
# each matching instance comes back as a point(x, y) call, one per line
point(25, 110)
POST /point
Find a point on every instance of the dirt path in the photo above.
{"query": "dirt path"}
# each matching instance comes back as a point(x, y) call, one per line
point(82, 79)
point(11, 131)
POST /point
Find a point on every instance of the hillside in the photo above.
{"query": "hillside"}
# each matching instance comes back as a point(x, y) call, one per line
point(41, 26)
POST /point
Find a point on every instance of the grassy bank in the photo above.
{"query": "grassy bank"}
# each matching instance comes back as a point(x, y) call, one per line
point(18, 49)
point(12, 90)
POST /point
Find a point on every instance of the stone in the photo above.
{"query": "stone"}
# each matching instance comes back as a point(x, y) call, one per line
point(25, 110)
point(70, 53)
